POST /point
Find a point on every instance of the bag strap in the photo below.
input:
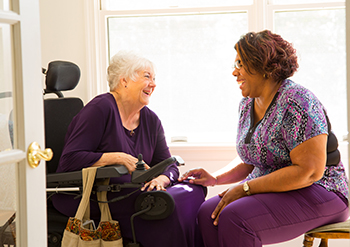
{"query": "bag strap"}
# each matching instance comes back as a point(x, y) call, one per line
point(88, 182)
point(104, 208)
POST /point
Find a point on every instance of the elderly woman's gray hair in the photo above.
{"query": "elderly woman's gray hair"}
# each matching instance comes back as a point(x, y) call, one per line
point(125, 64)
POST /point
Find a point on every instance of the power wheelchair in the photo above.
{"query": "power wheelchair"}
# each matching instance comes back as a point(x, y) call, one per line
point(58, 112)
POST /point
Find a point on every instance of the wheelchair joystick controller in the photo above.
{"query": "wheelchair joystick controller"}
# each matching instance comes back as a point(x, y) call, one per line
point(141, 175)
point(140, 165)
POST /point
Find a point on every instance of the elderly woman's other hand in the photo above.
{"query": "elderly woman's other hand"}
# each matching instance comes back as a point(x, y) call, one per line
point(158, 183)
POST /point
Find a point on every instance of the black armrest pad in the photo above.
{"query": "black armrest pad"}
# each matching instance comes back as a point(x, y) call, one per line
point(75, 178)
point(54, 180)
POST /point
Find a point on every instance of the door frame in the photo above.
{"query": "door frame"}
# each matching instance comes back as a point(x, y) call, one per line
point(31, 229)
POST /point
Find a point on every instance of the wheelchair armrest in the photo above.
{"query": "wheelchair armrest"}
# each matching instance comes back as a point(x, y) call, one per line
point(75, 178)
point(71, 179)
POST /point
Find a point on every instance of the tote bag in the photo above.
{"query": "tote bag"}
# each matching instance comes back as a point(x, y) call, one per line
point(108, 231)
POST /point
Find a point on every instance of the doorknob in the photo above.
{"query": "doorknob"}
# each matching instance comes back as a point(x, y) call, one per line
point(35, 154)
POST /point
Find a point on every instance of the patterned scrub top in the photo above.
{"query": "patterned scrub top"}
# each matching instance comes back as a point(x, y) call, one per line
point(294, 116)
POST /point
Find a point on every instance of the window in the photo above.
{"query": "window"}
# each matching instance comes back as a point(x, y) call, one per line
point(196, 95)
point(322, 58)
point(193, 50)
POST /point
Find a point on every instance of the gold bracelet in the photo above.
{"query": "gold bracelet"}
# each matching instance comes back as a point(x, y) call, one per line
point(216, 181)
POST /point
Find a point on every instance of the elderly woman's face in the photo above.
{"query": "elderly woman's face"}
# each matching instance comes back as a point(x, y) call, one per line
point(251, 85)
point(143, 86)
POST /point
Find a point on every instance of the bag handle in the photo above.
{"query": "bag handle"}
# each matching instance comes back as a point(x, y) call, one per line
point(88, 182)
point(83, 212)
point(104, 208)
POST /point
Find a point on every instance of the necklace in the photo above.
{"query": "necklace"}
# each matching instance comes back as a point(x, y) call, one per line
point(115, 94)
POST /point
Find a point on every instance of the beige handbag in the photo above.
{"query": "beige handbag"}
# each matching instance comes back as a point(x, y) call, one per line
point(108, 231)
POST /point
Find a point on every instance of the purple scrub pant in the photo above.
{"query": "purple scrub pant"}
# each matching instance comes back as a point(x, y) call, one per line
point(270, 218)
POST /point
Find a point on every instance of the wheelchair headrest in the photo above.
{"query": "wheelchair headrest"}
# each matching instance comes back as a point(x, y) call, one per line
point(61, 76)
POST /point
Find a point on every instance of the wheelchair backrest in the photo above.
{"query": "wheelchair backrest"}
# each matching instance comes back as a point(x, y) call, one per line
point(59, 112)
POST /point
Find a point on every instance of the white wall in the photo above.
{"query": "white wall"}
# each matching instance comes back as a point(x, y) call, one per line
point(64, 37)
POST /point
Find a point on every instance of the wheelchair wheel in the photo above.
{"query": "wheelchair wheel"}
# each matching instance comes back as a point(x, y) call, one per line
point(161, 205)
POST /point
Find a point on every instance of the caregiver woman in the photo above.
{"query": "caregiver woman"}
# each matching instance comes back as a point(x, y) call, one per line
point(283, 186)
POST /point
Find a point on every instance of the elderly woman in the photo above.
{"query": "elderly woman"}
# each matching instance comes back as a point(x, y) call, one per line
point(283, 187)
point(113, 128)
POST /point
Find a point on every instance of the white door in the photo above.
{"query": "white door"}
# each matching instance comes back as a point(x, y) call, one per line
point(22, 186)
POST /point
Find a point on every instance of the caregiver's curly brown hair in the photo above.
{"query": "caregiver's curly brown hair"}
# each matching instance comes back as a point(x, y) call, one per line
point(267, 53)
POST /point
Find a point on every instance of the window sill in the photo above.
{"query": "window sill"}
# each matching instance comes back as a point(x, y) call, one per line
point(204, 151)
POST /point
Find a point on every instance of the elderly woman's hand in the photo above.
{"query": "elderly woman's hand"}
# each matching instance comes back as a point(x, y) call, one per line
point(130, 162)
point(119, 158)
point(158, 183)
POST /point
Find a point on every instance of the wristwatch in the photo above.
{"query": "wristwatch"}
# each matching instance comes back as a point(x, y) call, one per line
point(246, 188)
